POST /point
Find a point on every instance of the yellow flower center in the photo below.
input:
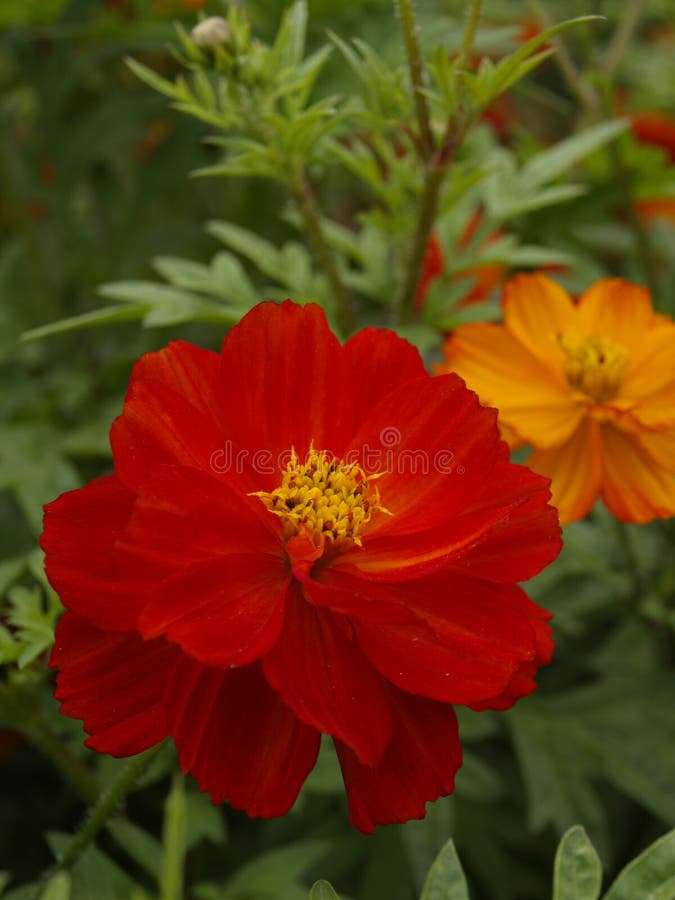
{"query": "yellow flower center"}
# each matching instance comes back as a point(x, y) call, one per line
point(594, 365)
point(331, 498)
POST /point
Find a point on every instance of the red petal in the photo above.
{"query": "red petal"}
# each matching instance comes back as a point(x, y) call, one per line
point(436, 446)
point(310, 389)
point(322, 675)
point(481, 634)
point(374, 363)
point(114, 682)
point(418, 765)
point(171, 413)
point(183, 516)
point(238, 740)
point(278, 373)
point(224, 612)
point(525, 540)
point(80, 532)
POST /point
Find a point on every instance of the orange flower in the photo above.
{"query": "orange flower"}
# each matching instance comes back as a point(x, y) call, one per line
point(651, 209)
point(589, 385)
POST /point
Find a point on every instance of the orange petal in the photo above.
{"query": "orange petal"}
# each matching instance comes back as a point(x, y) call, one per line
point(617, 309)
point(536, 311)
point(661, 447)
point(638, 483)
point(534, 404)
point(575, 470)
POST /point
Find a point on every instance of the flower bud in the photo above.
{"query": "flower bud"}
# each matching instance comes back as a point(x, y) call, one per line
point(211, 32)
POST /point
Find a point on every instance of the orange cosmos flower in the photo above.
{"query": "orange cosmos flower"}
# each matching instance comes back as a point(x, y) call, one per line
point(589, 385)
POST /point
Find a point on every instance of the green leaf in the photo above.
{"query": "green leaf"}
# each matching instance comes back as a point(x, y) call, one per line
point(513, 68)
point(270, 871)
point(151, 78)
point(577, 873)
point(322, 890)
point(446, 880)
point(107, 315)
point(261, 252)
point(142, 847)
point(651, 876)
point(57, 888)
point(289, 44)
point(556, 160)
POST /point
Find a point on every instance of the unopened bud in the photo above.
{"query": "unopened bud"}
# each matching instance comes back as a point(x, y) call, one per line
point(211, 32)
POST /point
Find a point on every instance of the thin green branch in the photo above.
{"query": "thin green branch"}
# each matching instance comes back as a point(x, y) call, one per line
point(104, 808)
point(433, 182)
point(409, 28)
point(623, 177)
point(622, 37)
point(472, 19)
point(305, 200)
point(576, 82)
point(437, 166)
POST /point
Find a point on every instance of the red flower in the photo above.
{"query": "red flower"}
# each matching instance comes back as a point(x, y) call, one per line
point(299, 537)
point(657, 128)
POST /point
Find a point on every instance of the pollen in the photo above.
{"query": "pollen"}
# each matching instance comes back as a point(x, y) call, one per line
point(333, 499)
point(594, 365)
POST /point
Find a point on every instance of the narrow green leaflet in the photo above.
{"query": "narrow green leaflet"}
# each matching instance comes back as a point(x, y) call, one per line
point(577, 874)
point(446, 880)
point(322, 890)
point(651, 876)
point(57, 888)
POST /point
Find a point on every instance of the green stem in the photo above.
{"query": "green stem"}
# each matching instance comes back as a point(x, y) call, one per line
point(305, 200)
point(574, 78)
point(631, 560)
point(409, 28)
point(437, 165)
point(108, 802)
point(621, 39)
point(624, 178)
point(472, 19)
point(174, 842)
point(435, 173)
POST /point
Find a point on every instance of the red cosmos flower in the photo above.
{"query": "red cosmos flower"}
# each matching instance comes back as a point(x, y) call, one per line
point(657, 128)
point(299, 537)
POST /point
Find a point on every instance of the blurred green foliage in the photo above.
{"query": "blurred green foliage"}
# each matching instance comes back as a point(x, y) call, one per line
point(102, 226)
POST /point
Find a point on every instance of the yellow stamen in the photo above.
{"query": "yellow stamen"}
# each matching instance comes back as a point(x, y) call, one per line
point(331, 498)
point(594, 365)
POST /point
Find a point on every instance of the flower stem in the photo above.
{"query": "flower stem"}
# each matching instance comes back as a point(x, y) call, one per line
point(624, 178)
point(632, 13)
point(410, 29)
point(174, 837)
point(576, 82)
point(435, 173)
point(107, 803)
point(472, 19)
point(305, 200)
